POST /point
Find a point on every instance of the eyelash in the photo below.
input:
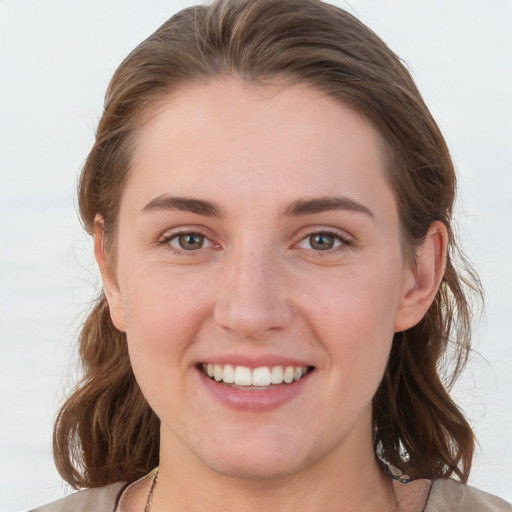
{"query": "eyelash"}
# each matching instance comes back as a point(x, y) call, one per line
point(166, 242)
point(345, 243)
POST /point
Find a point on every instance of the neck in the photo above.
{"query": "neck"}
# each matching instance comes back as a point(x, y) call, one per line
point(339, 482)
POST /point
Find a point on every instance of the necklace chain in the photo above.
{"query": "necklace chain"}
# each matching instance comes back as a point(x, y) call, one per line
point(147, 507)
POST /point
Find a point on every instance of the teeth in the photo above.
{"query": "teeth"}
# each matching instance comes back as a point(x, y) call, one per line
point(243, 376)
point(262, 376)
point(228, 376)
point(288, 374)
point(276, 376)
point(217, 372)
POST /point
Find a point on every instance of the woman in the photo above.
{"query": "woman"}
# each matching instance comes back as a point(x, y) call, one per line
point(271, 205)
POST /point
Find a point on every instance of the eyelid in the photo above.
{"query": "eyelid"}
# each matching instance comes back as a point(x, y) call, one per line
point(176, 236)
point(186, 229)
point(338, 242)
point(340, 235)
point(170, 234)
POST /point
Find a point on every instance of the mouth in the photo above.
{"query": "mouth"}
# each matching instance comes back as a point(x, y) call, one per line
point(260, 378)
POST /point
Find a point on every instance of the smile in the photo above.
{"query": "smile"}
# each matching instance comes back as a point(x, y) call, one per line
point(261, 377)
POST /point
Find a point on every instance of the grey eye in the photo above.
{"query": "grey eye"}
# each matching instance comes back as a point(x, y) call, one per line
point(188, 241)
point(322, 241)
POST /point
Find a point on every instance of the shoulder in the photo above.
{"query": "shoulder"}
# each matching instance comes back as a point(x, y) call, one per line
point(449, 495)
point(101, 499)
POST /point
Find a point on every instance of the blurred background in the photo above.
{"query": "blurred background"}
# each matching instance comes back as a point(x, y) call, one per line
point(56, 58)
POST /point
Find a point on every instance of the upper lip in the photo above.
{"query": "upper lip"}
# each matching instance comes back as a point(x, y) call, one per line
point(255, 361)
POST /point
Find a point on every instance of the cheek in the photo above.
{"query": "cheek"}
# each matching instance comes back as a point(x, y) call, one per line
point(353, 316)
point(159, 300)
point(163, 316)
point(360, 300)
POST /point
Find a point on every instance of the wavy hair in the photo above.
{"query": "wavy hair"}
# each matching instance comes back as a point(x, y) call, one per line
point(106, 431)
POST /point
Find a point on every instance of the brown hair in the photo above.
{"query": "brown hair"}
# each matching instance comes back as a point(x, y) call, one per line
point(106, 431)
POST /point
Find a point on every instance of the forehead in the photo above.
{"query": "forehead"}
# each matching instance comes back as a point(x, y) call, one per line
point(279, 141)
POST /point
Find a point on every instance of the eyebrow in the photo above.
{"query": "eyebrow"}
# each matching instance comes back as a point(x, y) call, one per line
point(324, 204)
point(184, 204)
point(294, 209)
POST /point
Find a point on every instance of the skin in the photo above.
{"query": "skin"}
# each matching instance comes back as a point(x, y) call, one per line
point(257, 287)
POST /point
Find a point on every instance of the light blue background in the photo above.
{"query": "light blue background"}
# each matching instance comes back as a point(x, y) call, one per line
point(56, 58)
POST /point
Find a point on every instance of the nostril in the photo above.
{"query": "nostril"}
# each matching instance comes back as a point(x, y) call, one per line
point(250, 320)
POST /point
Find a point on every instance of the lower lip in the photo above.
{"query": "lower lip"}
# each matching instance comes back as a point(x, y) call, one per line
point(254, 400)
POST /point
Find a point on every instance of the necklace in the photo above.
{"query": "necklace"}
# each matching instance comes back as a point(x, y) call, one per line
point(147, 507)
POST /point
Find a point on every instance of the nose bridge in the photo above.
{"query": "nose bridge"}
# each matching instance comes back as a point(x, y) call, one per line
point(253, 298)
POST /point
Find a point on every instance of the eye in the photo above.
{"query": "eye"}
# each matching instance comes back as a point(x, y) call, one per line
point(323, 241)
point(188, 241)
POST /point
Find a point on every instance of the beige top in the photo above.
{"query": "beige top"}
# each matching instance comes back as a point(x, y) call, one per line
point(443, 495)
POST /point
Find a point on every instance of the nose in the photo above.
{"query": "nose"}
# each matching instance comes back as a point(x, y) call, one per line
point(253, 297)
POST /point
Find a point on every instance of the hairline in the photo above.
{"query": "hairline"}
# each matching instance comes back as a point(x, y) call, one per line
point(160, 100)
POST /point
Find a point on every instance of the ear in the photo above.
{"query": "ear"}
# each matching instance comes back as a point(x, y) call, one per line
point(422, 282)
point(110, 284)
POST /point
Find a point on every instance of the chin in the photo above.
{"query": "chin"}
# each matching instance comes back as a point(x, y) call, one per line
point(257, 468)
point(260, 458)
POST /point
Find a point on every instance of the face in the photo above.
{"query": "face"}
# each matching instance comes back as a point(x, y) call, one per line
point(259, 276)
